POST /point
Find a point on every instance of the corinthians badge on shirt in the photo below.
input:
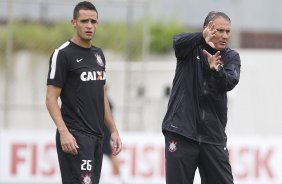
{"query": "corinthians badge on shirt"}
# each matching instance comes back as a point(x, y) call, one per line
point(99, 60)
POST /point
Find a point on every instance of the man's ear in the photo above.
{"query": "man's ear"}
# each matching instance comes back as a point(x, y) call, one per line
point(73, 23)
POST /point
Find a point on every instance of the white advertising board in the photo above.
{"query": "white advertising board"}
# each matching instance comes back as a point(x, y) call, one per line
point(30, 157)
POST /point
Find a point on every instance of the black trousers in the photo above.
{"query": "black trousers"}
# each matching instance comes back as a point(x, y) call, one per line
point(85, 167)
point(183, 156)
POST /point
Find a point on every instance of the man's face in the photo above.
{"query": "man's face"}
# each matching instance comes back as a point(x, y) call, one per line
point(85, 24)
point(222, 34)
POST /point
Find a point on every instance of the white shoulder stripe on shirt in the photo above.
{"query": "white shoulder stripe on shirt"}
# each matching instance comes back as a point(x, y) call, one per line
point(54, 59)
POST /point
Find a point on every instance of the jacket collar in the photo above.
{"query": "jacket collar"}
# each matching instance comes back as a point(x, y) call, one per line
point(211, 50)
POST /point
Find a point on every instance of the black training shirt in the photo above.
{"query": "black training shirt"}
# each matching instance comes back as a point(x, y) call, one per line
point(80, 72)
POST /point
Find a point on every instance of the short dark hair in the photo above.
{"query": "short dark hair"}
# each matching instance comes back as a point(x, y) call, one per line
point(84, 5)
point(213, 15)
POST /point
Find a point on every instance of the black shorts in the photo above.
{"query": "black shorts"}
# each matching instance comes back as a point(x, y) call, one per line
point(107, 149)
point(183, 156)
point(85, 167)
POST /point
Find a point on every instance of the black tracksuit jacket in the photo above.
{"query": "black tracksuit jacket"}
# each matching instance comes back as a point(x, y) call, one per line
point(197, 108)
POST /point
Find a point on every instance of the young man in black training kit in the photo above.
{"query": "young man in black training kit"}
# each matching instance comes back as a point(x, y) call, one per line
point(77, 76)
point(194, 125)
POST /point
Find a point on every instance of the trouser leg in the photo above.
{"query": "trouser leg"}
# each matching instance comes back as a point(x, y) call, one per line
point(181, 155)
point(214, 166)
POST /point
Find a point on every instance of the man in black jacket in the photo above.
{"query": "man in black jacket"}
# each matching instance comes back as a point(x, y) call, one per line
point(194, 125)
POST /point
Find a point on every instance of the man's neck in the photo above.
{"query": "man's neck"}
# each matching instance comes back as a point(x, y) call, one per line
point(82, 43)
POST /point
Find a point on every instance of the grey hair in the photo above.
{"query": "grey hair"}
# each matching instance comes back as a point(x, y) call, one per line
point(213, 15)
